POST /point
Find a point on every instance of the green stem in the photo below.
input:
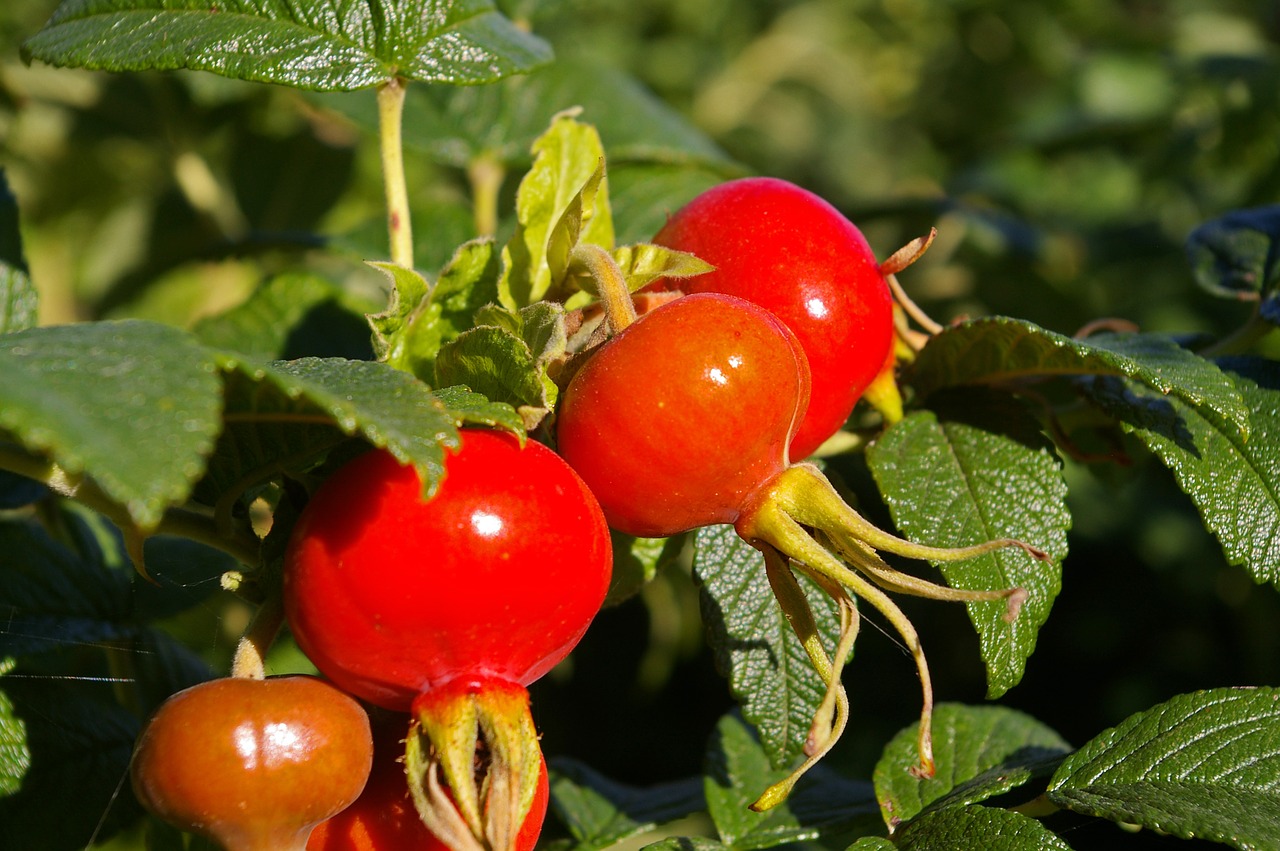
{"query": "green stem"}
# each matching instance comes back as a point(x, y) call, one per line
point(486, 175)
point(390, 115)
point(1240, 340)
point(611, 284)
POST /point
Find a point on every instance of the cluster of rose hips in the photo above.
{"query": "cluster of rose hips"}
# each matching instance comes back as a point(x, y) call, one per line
point(439, 613)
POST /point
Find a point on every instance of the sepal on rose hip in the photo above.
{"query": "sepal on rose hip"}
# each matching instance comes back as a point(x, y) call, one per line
point(473, 807)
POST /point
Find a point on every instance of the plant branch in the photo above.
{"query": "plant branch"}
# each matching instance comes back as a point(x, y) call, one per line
point(390, 115)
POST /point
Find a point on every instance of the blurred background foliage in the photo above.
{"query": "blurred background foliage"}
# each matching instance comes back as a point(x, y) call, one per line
point(1064, 149)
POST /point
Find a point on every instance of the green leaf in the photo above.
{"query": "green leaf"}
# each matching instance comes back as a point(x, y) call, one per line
point(965, 828)
point(15, 759)
point(19, 301)
point(823, 806)
point(1200, 765)
point(999, 350)
point(980, 752)
point(566, 158)
point(507, 361)
point(133, 404)
point(352, 45)
point(1234, 483)
point(600, 812)
point(1235, 256)
point(768, 670)
point(975, 469)
point(644, 263)
point(569, 228)
point(684, 843)
point(74, 740)
point(267, 402)
point(268, 324)
point(636, 561)
point(468, 408)
point(421, 318)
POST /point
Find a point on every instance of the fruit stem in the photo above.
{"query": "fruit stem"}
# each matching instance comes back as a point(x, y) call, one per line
point(251, 651)
point(610, 282)
point(390, 119)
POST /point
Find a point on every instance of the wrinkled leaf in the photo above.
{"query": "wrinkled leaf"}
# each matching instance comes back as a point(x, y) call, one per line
point(768, 670)
point(823, 806)
point(1234, 483)
point(267, 403)
point(133, 404)
point(1200, 765)
point(468, 408)
point(988, 828)
point(980, 752)
point(422, 317)
point(975, 469)
point(600, 812)
point(999, 350)
point(329, 47)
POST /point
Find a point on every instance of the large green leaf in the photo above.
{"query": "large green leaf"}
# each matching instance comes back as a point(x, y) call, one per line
point(1234, 483)
point(823, 806)
point(135, 405)
point(999, 350)
point(1200, 765)
point(600, 812)
point(975, 469)
point(768, 670)
point(979, 751)
point(988, 828)
point(285, 414)
point(310, 44)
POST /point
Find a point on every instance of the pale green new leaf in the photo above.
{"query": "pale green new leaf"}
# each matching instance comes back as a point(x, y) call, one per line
point(328, 46)
point(976, 469)
point(1200, 765)
point(566, 157)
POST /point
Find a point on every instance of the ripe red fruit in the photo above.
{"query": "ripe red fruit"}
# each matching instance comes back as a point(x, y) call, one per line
point(498, 575)
point(678, 419)
point(791, 252)
point(383, 818)
point(682, 419)
point(449, 608)
point(253, 764)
